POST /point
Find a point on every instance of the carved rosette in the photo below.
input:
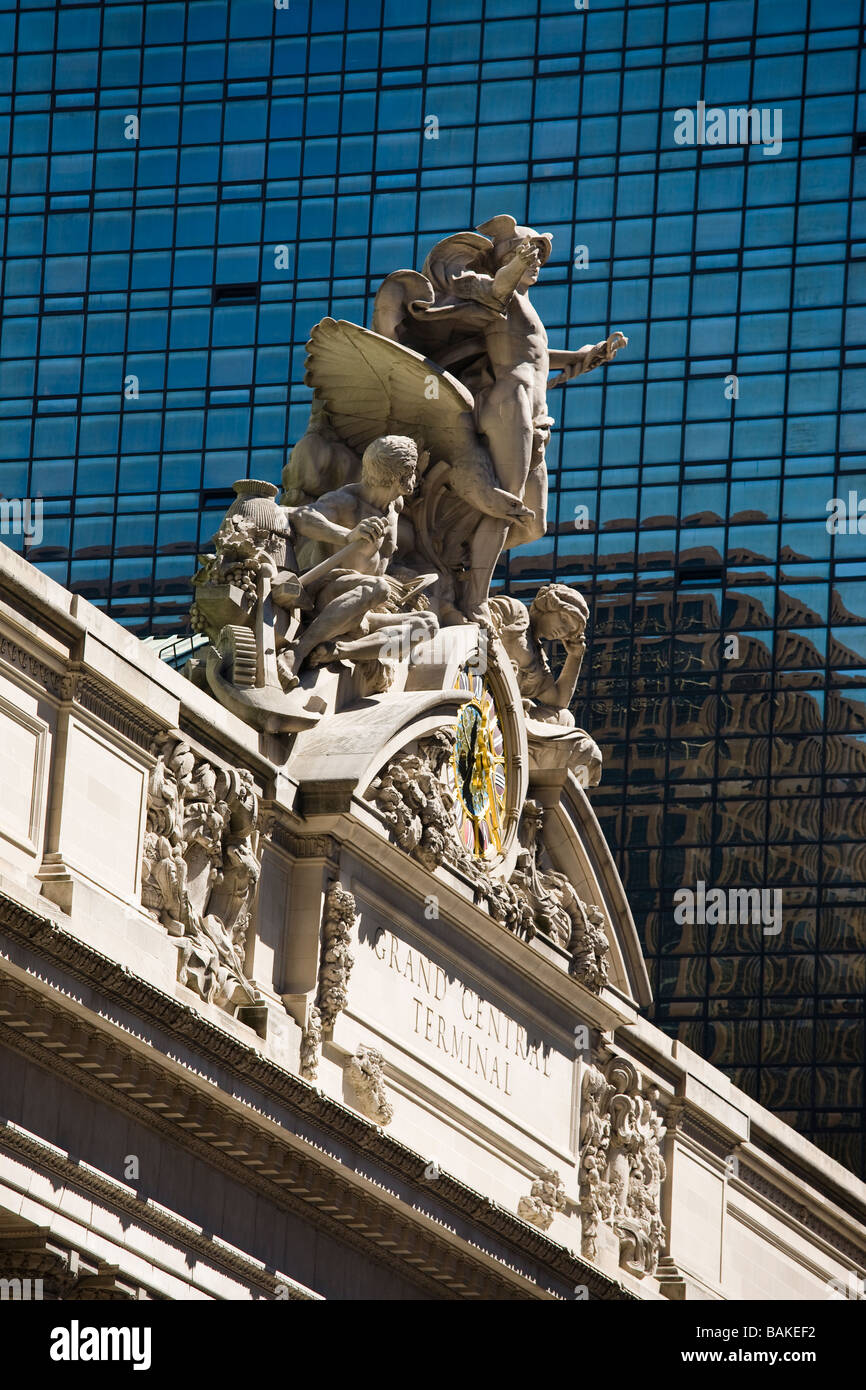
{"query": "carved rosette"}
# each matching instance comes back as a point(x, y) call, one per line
point(365, 1072)
point(546, 1198)
point(201, 867)
point(621, 1166)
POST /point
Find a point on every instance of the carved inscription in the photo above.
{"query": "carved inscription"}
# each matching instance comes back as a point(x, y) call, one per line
point(454, 1019)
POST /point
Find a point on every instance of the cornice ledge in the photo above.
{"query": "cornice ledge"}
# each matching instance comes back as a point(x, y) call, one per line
point(772, 1192)
point(15, 1139)
point(126, 989)
point(789, 1167)
point(685, 1119)
point(300, 1181)
point(110, 704)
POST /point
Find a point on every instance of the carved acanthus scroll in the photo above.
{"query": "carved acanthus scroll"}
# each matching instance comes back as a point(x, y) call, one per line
point(621, 1165)
point(554, 907)
point(418, 807)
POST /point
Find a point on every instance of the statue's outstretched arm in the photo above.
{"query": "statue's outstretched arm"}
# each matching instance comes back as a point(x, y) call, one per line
point(581, 360)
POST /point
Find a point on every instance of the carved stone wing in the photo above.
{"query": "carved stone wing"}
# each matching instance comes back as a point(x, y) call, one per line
point(373, 386)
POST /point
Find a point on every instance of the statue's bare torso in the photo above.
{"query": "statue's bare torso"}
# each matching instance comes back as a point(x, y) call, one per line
point(518, 351)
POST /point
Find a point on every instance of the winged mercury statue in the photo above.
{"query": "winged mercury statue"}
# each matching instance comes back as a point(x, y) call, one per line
point(458, 358)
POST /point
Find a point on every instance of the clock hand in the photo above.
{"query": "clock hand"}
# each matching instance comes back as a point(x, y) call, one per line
point(469, 774)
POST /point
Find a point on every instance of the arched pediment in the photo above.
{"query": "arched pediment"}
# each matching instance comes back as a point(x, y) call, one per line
point(577, 848)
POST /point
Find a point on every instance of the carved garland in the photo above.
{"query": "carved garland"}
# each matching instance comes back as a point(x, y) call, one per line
point(418, 808)
point(338, 920)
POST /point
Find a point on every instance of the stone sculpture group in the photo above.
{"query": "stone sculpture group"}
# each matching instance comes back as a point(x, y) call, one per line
point(422, 462)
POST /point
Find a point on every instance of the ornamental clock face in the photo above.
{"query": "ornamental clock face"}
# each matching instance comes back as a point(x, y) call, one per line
point(476, 773)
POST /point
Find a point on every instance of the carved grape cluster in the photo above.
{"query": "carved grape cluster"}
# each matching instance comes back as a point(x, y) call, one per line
point(244, 576)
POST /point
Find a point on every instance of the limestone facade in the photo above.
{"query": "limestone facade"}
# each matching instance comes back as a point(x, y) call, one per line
point(268, 1033)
